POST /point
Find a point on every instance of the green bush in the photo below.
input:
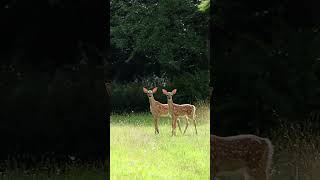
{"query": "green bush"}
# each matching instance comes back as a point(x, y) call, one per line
point(192, 87)
point(129, 97)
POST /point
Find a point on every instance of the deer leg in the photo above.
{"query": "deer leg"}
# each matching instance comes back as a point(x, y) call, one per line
point(157, 125)
point(187, 124)
point(174, 124)
point(195, 125)
point(178, 121)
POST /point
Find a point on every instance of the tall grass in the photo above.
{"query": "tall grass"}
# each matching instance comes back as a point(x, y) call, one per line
point(297, 153)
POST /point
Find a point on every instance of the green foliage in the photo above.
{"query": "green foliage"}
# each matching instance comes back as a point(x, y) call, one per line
point(129, 97)
point(191, 87)
point(158, 43)
point(204, 6)
point(168, 34)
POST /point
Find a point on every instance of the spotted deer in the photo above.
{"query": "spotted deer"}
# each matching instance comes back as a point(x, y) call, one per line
point(176, 110)
point(157, 109)
point(247, 154)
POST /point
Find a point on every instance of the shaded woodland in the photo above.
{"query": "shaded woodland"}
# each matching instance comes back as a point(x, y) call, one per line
point(265, 67)
point(53, 68)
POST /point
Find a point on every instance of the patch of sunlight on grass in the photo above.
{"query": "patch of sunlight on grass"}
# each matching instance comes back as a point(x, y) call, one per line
point(137, 153)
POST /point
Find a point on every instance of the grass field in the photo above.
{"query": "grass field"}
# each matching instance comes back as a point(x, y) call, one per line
point(137, 153)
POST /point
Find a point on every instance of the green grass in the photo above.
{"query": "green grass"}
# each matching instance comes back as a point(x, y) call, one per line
point(137, 153)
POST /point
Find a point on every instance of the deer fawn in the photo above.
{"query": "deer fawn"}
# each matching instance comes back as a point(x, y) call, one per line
point(184, 110)
point(157, 109)
point(249, 154)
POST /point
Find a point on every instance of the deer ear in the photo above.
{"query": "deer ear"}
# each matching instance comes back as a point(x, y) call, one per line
point(164, 91)
point(154, 90)
point(174, 91)
point(145, 90)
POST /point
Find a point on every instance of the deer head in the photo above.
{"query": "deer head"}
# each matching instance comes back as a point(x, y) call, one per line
point(150, 92)
point(169, 94)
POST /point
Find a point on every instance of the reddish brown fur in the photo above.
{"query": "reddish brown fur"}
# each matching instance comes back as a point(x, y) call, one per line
point(246, 153)
point(157, 109)
point(183, 110)
point(176, 111)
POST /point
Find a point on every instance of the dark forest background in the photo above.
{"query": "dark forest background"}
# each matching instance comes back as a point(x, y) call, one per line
point(265, 67)
point(159, 43)
point(53, 69)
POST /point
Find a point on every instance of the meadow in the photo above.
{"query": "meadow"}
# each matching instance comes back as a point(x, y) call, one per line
point(136, 152)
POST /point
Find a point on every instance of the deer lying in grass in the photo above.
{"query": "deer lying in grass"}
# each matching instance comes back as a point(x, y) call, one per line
point(157, 109)
point(184, 110)
point(248, 154)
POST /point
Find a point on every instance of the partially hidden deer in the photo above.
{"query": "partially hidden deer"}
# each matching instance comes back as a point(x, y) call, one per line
point(247, 154)
point(176, 111)
point(157, 109)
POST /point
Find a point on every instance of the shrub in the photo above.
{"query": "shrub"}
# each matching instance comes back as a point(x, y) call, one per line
point(192, 87)
point(129, 97)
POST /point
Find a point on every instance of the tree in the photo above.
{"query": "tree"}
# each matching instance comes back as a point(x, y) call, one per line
point(169, 34)
point(265, 66)
point(204, 6)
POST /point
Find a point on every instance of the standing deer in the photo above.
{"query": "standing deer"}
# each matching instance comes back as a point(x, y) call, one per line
point(184, 110)
point(248, 154)
point(157, 109)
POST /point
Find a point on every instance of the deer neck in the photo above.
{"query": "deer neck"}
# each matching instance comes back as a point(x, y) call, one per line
point(170, 105)
point(152, 101)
